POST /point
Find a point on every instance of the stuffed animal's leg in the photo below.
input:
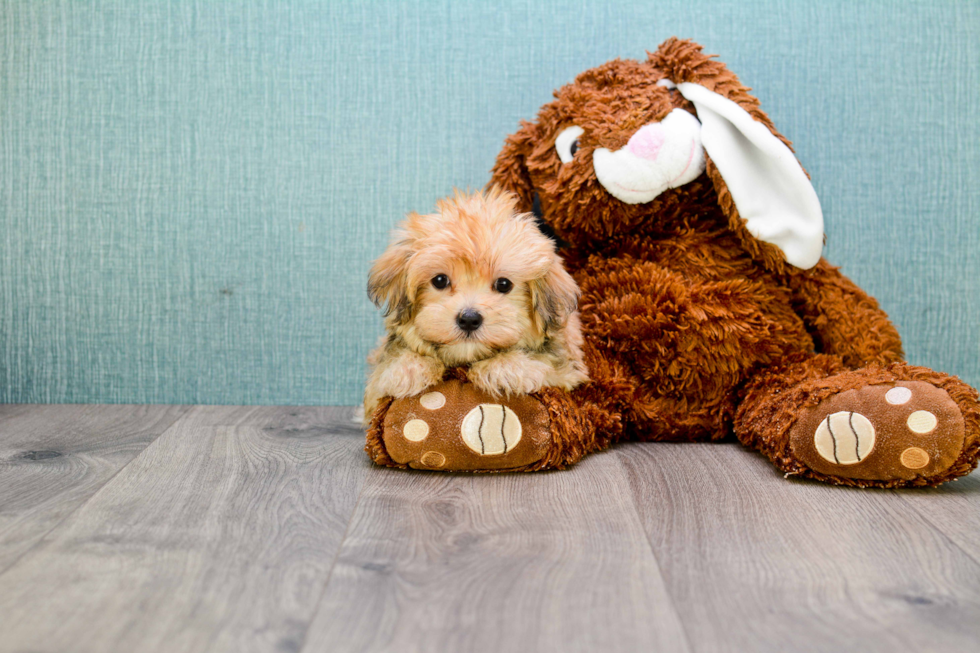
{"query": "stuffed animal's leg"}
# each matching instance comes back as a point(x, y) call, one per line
point(455, 426)
point(844, 320)
point(891, 426)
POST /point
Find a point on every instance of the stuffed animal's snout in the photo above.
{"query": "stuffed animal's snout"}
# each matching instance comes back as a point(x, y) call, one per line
point(647, 142)
point(658, 156)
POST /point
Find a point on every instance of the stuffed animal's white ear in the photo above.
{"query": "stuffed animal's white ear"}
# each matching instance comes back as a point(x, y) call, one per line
point(767, 183)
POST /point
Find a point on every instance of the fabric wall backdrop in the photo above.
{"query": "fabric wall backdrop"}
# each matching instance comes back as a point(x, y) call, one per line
point(192, 191)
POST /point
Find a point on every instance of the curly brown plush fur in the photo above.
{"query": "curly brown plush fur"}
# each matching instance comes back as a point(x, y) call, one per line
point(694, 328)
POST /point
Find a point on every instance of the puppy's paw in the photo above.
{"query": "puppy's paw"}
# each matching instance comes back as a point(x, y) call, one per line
point(407, 376)
point(510, 374)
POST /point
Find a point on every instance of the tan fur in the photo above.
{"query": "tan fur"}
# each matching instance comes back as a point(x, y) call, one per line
point(530, 337)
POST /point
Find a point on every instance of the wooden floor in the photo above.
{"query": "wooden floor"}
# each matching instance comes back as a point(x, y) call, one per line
point(169, 528)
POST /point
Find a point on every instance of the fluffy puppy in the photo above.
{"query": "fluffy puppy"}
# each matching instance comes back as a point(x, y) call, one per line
point(474, 284)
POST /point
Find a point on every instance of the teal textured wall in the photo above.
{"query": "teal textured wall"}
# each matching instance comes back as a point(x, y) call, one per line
point(191, 192)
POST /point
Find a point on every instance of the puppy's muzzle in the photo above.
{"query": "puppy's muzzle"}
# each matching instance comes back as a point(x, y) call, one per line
point(469, 320)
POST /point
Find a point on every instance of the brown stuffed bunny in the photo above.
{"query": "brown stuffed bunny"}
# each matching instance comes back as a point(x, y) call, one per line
point(706, 307)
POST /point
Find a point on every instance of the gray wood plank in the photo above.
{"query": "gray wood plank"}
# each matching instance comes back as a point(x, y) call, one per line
point(514, 562)
point(218, 537)
point(953, 509)
point(756, 562)
point(53, 458)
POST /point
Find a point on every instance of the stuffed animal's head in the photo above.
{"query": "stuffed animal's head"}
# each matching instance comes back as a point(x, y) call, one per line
point(627, 140)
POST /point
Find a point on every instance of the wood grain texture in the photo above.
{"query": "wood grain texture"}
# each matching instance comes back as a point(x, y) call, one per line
point(218, 537)
point(521, 562)
point(756, 562)
point(267, 529)
point(954, 510)
point(53, 458)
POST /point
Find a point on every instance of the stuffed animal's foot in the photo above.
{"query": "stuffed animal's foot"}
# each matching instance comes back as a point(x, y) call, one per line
point(893, 426)
point(457, 427)
point(895, 431)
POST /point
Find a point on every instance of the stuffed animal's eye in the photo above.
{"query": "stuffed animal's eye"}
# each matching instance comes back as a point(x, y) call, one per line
point(440, 281)
point(503, 285)
point(567, 143)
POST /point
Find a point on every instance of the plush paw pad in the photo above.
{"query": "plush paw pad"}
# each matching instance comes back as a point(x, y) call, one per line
point(845, 438)
point(456, 427)
point(881, 432)
point(491, 429)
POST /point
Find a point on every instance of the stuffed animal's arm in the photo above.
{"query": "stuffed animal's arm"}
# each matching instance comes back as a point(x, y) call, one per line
point(843, 319)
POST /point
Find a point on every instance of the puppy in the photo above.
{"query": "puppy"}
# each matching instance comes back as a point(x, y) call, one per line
point(474, 284)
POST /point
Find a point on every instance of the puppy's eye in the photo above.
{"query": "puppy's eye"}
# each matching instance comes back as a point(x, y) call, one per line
point(503, 285)
point(567, 143)
point(440, 281)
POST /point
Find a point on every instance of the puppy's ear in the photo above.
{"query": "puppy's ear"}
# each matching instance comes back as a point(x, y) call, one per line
point(554, 297)
point(388, 279)
point(510, 170)
point(762, 188)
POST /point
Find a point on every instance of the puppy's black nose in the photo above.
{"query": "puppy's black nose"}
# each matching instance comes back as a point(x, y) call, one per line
point(469, 320)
